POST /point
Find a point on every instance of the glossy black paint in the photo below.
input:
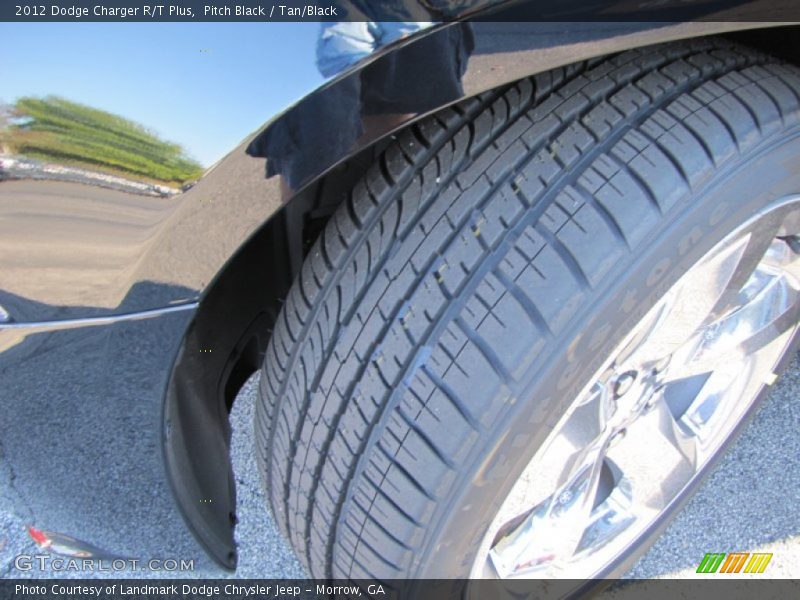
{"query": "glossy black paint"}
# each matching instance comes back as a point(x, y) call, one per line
point(78, 262)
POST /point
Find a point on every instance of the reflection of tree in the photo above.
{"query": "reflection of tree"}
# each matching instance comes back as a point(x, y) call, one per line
point(57, 130)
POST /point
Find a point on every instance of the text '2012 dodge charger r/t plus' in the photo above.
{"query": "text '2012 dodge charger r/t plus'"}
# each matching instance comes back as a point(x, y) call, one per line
point(511, 286)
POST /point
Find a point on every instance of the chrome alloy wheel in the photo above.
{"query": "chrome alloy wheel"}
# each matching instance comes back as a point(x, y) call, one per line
point(664, 403)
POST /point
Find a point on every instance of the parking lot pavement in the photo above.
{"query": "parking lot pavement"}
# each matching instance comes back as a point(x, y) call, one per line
point(751, 502)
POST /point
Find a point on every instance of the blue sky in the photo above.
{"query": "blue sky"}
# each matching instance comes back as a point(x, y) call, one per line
point(203, 85)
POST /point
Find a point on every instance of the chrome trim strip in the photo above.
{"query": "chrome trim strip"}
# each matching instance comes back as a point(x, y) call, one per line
point(61, 325)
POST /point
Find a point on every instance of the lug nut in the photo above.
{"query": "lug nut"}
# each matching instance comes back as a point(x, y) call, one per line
point(624, 383)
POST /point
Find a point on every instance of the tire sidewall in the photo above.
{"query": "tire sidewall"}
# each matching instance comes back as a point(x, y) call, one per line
point(694, 225)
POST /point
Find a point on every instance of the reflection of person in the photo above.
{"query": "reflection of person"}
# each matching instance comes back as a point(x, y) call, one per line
point(411, 80)
point(341, 44)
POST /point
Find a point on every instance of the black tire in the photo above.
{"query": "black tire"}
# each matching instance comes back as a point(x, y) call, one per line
point(471, 282)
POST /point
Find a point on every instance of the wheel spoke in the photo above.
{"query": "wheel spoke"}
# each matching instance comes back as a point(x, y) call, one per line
point(589, 419)
point(784, 256)
point(656, 456)
point(555, 527)
point(774, 309)
point(709, 401)
point(690, 302)
point(758, 242)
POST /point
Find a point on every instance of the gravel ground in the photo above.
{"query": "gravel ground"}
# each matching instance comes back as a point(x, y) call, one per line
point(751, 502)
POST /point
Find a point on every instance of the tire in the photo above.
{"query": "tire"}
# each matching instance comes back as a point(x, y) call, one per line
point(473, 281)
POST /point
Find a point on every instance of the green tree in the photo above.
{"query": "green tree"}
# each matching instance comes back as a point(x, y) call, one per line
point(55, 129)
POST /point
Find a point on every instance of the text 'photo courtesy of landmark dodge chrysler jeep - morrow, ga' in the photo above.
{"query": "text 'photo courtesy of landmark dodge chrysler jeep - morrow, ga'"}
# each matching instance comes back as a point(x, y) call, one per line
point(511, 287)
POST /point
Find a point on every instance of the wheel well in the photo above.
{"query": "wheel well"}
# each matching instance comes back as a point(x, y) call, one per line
point(780, 42)
point(225, 344)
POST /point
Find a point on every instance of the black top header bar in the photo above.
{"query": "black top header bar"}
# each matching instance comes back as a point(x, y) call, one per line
point(665, 11)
